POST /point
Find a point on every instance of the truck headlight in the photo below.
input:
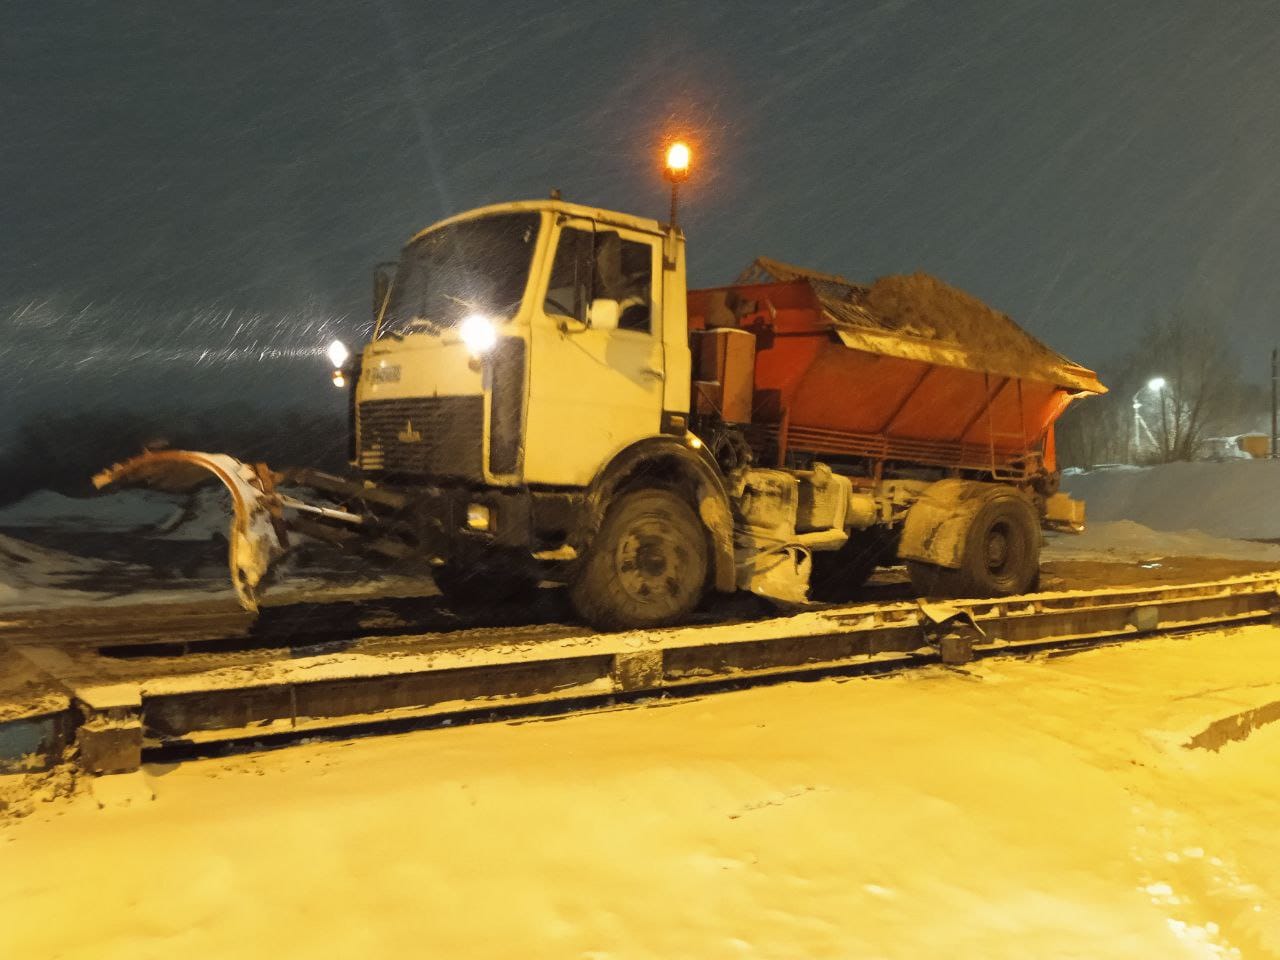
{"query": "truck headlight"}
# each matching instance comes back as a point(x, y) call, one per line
point(338, 354)
point(478, 333)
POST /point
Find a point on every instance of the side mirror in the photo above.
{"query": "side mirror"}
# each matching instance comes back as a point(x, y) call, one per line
point(604, 314)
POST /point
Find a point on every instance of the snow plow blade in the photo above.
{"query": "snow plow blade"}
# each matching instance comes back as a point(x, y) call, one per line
point(257, 536)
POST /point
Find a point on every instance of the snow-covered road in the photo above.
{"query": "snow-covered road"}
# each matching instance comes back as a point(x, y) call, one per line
point(1016, 808)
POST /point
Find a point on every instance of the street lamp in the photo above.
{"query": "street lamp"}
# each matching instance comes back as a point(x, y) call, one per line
point(676, 170)
point(1156, 385)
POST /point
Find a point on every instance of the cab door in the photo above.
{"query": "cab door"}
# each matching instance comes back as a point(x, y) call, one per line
point(596, 360)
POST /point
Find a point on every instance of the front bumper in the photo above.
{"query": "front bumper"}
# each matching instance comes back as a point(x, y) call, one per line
point(444, 533)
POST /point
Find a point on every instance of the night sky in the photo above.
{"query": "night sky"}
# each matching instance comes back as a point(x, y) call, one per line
point(194, 193)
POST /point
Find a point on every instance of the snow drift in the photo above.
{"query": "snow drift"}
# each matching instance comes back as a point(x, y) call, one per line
point(1237, 498)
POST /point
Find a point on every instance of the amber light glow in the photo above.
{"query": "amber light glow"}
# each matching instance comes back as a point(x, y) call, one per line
point(678, 160)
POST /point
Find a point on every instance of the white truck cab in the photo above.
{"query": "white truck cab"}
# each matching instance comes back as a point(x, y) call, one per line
point(529, 361)
point(524, 343)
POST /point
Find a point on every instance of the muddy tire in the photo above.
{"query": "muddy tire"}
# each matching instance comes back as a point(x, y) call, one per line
point(646, 567)
point(483, 585)
point(1001, 555)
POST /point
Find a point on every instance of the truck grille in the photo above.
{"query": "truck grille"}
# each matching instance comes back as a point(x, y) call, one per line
point(428, 436)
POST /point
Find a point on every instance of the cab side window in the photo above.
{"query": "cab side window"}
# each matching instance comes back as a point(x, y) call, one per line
point(602, 265)
point(624, 272)
point(569, 289)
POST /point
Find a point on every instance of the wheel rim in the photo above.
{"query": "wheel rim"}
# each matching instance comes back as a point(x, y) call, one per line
point(1002, 549)
point(997, 548)
point(652, 564)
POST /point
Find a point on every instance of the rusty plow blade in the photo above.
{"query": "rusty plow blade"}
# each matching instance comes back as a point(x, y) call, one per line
point(257, 536)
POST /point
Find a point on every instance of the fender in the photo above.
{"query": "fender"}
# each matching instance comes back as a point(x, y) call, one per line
point(673, 459)
point(938, 523)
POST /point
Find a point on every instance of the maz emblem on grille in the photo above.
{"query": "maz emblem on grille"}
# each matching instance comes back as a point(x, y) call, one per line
point(408, 434)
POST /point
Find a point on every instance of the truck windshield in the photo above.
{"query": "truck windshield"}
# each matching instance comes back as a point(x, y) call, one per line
point(476, 266)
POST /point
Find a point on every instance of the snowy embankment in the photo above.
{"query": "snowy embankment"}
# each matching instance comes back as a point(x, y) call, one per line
point(32, 575)
point(1208, 509)
point(171, 517)
point(58, 550)
point(143, 546)
point(1231, 499)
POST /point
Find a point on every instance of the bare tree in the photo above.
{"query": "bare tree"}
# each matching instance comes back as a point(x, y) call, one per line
point(1092, 432)
point(1201, 394)
point(1201, 383)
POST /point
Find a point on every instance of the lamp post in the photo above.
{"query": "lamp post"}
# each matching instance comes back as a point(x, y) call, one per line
point(1156, 385)
point(677, 169)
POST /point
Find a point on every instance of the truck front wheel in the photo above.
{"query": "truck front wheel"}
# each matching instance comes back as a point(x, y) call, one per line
point(1000, 557)
point(646, 567)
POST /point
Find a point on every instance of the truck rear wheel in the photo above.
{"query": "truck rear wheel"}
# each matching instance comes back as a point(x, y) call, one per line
point(646, 567)
point(1000, 558)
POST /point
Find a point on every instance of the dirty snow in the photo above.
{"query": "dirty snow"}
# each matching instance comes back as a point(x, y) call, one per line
point(205, 515)
point(1234, 498)
point(32, 575)
point(201, 515)
point(1125, 541)
point(1037, 808)
point(121, 510)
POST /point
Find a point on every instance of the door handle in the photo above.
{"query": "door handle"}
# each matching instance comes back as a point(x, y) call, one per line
point(653, 372)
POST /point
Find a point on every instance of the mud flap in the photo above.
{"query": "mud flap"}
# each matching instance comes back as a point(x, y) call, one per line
point(257, 536)
point(938, 523)
point(780, 574)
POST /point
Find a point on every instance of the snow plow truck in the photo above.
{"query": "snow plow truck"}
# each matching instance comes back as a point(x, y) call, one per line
point(542, 399)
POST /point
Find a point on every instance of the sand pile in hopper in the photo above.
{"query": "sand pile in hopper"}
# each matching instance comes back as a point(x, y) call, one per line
point(919, 305)
point(930, 321)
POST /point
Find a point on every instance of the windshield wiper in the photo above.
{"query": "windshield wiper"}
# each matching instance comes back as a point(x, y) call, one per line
point(423, 322)
point(412, 324)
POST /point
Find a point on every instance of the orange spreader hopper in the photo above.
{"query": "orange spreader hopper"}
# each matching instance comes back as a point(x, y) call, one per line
point(905, 371)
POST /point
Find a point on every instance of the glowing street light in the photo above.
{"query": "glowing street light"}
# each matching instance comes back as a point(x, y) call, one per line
point(677, 169)
point(1156, 385)
point(678, 156)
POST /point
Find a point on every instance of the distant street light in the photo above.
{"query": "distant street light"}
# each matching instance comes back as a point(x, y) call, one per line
point(1156, 385)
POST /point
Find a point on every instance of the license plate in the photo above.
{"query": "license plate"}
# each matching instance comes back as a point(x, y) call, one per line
point(388, 374)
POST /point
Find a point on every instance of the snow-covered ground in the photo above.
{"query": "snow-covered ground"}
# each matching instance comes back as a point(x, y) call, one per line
point(119, 511)
point(1016, 808)
point(203, 515)
point(144, 546)
point(1231, 499)
point(1126, 541)
point(32, 575)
